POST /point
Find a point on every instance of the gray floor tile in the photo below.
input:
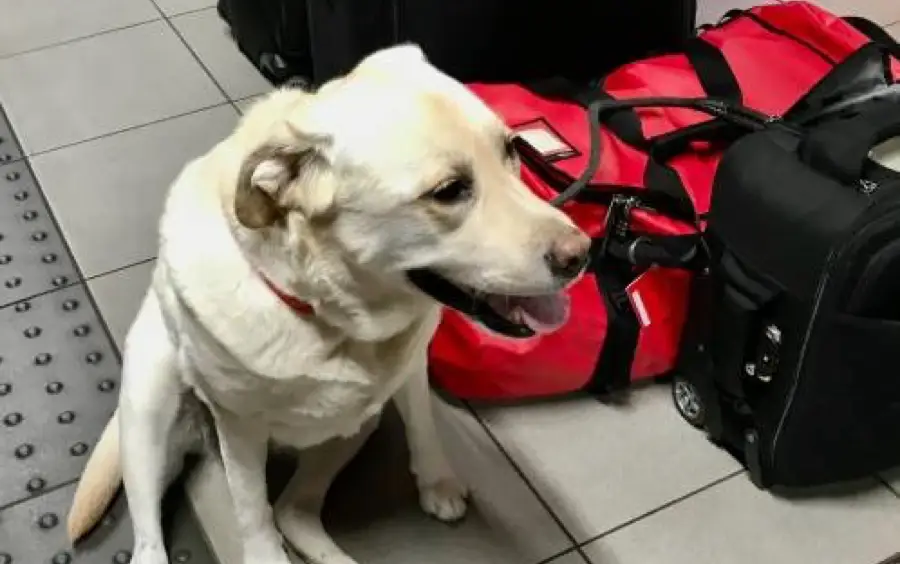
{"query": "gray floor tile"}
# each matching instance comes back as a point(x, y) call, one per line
point(174, 7)
point(599, 466)
point(100, 85)
point(709, 11)
point(39, 23)
point(895, 30)
point(208, 36)
point(569, 558)
point(505, 501)
point(119, 295)
point(389, 528)
point(107, 194)
point(736, 523)
point(881, 11)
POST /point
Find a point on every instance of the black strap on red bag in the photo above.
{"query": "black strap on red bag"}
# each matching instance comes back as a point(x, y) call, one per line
point(613, 369)
point(619, 257)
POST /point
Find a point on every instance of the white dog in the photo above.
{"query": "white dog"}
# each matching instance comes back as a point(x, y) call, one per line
point(300, 269)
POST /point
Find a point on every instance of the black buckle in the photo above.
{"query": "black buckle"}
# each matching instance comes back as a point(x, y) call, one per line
point(617, 229)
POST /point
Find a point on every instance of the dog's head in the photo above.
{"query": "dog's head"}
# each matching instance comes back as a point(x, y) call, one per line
point(410, 176)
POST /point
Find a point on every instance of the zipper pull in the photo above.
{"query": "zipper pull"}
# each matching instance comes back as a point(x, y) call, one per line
point(616, 224)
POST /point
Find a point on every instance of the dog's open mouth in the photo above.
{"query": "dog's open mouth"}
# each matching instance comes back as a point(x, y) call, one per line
point(512, 316)
point(541, 314)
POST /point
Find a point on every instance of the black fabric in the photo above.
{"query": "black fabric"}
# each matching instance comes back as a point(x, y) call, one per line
point(862, 76)
point(712, 69)
point(802, 317)
point(272, 34)
point(844, 421)
point(612, 372)
point(841, 147)
point(472, 40)
point(623, 120)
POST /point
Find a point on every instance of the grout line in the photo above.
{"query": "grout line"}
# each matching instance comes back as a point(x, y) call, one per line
point(125, 130)
point(79, 273)
point(36, 295)
point(250, 98)
point(528, 484)
point(196, 56)
point(77, 39)
point(187, 12)
point(566, 552)
point(42, 493)
point(662, 507)
point(118, 269)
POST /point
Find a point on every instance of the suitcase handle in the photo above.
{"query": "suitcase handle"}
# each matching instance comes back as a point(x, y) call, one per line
point(600, 109)
point(840, 146)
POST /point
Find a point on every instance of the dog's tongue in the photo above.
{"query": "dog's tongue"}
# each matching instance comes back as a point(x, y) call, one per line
point(543, 314)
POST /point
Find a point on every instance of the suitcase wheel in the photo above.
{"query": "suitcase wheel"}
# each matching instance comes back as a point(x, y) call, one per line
point(688, 401)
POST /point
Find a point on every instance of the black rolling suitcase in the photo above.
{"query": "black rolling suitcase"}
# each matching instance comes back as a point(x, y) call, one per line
point(791, 355)
point(472, 40)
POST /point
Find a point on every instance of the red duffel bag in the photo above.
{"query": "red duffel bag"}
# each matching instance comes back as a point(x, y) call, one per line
point(632, 160)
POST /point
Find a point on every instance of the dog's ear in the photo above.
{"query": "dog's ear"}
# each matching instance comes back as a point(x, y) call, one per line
point(262, 198)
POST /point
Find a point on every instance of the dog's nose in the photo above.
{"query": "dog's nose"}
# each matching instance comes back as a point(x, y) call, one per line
point(568, 254)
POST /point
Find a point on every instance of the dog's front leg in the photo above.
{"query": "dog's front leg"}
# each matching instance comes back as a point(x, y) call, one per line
point(244, 446)
point(441, 493)
point(148, 412)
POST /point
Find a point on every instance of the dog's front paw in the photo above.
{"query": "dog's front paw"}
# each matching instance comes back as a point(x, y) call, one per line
point(444, 499)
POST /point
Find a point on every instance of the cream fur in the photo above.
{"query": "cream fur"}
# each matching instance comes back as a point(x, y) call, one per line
point(211, 338)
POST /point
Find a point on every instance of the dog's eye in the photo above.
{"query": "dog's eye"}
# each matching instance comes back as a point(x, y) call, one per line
point(452, 192)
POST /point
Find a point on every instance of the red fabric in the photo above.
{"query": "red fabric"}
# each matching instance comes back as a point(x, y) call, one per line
point(773, 71)
point(296, 304)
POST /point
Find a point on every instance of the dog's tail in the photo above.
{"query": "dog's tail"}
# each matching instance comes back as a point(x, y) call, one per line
point(99, 483)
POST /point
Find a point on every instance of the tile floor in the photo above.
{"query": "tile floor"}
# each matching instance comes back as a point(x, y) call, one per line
point(111, 97)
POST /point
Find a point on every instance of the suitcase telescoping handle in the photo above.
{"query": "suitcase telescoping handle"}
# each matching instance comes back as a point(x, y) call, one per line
point(841, 146)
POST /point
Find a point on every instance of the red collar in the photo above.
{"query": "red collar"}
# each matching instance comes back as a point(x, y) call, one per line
point(296, 304)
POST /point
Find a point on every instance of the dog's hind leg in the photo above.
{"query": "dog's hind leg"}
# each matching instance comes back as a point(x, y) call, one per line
point(148, 409)
point(298, 509)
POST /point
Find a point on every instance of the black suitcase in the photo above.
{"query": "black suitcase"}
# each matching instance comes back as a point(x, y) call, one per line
point(472, 40)
point(791, 355)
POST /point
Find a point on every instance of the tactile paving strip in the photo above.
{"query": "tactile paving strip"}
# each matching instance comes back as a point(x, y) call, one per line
point(33, 256)
point(57, 390)
point(34, 533)
point(9, 146)
point(59, 378)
